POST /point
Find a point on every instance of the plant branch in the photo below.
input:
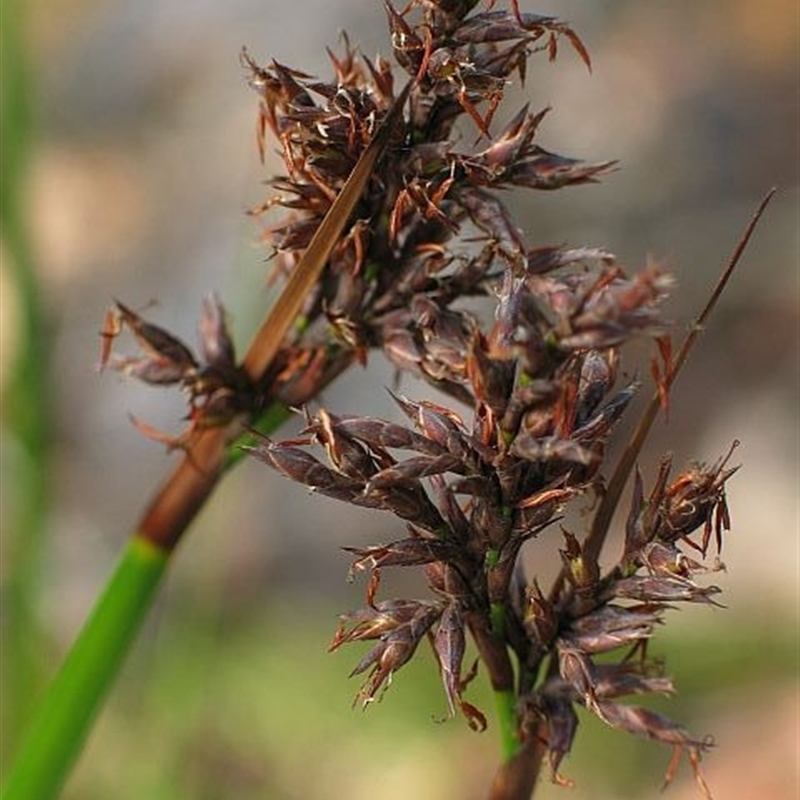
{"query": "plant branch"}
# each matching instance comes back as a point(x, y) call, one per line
point(489, 639)
point(516, 778)
point(57, 735)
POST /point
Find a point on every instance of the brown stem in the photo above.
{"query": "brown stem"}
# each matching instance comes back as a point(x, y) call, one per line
point(516, 778)
point(182, 495)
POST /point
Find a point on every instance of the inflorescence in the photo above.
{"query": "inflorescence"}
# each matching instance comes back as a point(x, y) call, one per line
point(536, 391)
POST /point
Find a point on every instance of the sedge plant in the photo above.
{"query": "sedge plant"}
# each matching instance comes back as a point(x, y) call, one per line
point(388, 230)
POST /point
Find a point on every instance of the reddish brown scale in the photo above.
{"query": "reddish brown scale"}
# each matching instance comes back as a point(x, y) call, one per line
point(665, 589)
point(381, 434)
point(449, 644)
point(403, 553)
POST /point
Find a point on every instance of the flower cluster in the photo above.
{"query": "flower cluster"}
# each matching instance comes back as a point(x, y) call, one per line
point(473, 494)
point(619, 611)
point(540, 388)
point(541, 384)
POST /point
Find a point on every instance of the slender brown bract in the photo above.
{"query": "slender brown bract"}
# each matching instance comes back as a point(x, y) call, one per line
point(269, 336)
point(610, 500)
point(186, 489)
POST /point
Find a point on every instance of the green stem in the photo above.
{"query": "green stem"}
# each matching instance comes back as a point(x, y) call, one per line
point(505, 699)
point(57, 735)
point(505, 702)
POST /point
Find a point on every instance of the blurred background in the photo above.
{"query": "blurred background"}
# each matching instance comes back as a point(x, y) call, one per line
point(129, 163)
